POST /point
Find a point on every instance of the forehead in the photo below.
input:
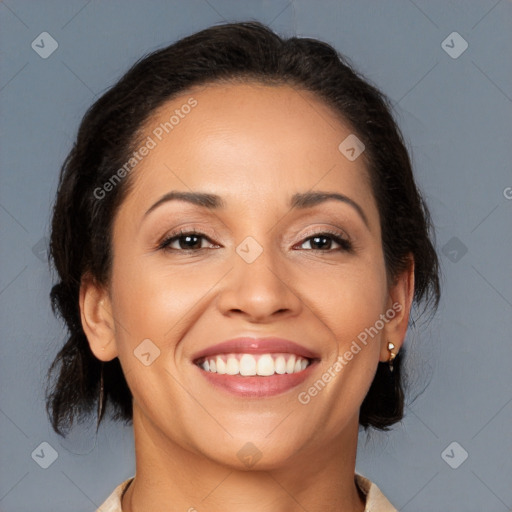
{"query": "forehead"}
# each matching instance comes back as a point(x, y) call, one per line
point(230, 139)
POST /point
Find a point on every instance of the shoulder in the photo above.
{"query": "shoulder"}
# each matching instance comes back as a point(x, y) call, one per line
point(375, 500)
point(113, 502)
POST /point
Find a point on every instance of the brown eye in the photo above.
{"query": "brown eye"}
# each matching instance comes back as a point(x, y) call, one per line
point(324, 242)
point(184, 241)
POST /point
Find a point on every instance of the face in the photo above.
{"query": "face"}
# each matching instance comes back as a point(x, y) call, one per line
point(282, 255)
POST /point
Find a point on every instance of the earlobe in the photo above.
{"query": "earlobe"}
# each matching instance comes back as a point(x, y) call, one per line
point(97, 320)
point(401, 296)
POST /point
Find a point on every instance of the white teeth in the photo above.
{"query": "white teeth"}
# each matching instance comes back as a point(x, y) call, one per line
point(258, 364)
point(232, 366)
point(247, 365)
point(290, 365)
point(265, 365)
point(281, 365)
point(221, 366)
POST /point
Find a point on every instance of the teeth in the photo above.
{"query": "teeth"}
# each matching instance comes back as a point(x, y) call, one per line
point(232, 366)
point(280, 365)
point(290, 365)
point(221, 365)
point(265, 365)
point(248, 364)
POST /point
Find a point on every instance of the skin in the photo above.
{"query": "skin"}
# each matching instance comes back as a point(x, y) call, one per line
point(255, 146)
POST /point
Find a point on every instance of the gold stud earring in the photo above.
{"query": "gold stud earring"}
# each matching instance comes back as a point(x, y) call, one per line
point(392, 355)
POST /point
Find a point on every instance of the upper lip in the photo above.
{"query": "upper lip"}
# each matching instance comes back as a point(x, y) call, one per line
point(249, 345)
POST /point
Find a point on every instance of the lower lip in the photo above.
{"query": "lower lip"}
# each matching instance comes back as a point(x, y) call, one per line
point(255, 386)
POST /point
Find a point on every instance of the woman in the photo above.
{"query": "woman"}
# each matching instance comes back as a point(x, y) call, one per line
point(239, 242)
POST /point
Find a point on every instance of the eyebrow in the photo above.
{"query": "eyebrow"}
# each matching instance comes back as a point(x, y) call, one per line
point(300, 201)
point(210, 201)
point(309, 199)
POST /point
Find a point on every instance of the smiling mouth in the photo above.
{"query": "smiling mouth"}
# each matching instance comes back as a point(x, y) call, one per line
point(250, 365)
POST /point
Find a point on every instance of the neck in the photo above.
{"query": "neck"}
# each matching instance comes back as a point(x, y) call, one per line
point(170, 477)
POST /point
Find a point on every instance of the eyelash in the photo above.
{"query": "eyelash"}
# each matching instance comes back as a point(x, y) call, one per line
point(345, 245)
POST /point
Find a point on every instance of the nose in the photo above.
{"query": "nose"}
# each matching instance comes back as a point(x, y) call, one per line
point(261, 290)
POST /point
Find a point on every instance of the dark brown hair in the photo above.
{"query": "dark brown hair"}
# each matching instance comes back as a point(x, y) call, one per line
point(82, 224)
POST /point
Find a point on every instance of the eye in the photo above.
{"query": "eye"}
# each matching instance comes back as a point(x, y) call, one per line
point(324, 241)
point(185, 241)
point(192, 241)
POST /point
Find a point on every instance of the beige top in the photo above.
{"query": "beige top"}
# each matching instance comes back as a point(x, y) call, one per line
point(375, 500)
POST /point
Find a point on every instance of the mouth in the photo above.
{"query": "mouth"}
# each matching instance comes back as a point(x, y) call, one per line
point(256, 368)
point(247, 365)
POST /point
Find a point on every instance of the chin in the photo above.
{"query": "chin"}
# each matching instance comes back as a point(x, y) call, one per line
point(253, 453)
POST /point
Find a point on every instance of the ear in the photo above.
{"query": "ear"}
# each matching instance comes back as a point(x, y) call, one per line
point(97, 319)
point(399, 302)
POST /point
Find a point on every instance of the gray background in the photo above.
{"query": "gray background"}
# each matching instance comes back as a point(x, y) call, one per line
point(456, 117)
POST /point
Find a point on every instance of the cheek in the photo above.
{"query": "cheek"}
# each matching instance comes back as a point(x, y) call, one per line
point(347, 299)
point(348, 307)
point(358, 329)
point(156, 300)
